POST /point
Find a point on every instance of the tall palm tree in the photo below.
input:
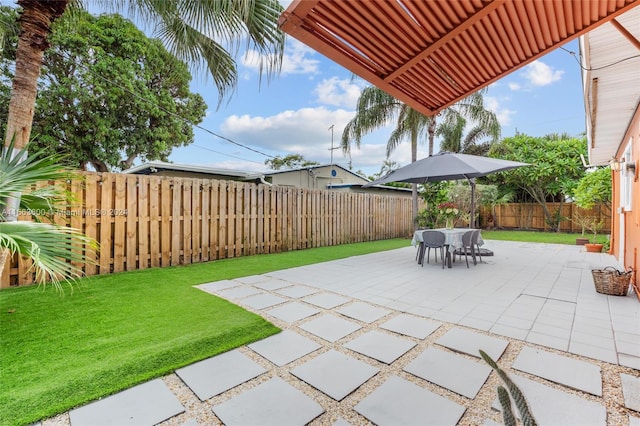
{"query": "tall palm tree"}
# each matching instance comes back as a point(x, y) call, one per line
point(188, 28)
point(454, 139)
point(375, 109)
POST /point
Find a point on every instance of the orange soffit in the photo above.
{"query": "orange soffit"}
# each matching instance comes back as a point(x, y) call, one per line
point(430, 54)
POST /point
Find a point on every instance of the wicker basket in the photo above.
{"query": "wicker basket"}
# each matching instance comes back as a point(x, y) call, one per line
point(611, 281)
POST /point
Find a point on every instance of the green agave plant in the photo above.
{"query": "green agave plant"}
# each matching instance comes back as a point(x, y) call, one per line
point(55, 250)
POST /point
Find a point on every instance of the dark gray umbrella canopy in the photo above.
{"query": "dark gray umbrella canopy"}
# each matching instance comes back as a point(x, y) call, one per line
point(449, 166)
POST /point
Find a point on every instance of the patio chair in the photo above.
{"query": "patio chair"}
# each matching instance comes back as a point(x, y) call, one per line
point(475, 246)
point(433, 240)
point(467, 248)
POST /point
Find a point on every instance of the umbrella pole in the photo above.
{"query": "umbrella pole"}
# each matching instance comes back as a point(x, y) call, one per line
point(472, 220)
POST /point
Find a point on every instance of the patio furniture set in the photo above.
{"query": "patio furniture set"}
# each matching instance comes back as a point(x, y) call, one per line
point(450, 242)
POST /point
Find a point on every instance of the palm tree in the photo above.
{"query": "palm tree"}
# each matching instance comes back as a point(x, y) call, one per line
point(188, 28)
point(55, 250)
point(375, 109)
point(452, 133)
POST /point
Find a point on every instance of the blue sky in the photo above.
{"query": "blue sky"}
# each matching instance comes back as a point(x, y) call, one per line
point(292, 113)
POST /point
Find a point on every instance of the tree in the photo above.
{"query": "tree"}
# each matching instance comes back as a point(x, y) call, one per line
point(555, 169)
point(194, 31)
point(291, 161)
point(454, 139)
point(375, 109)
point(594, 189)
point(108, 91)
point(111, 95)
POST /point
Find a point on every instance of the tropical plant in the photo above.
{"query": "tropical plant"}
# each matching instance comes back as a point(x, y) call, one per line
point(454, 139)
point(376, 109)
point(196, 32)
point(555, 169)
point(594, 189)
point(55, 250)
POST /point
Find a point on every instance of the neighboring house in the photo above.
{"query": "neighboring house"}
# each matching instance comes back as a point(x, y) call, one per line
point(330, 176)
point(160, 168)
point(611, 81)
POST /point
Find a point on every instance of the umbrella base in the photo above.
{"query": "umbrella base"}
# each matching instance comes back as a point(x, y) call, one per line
point(481, 252)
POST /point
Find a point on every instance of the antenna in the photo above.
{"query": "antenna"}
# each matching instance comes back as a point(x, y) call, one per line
point(333, 173)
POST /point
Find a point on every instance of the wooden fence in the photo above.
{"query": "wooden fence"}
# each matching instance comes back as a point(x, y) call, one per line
point(530, 216)
point(150, 221)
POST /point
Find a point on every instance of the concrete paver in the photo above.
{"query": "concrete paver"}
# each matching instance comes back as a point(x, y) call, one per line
point(400, 402)
point(284, 347)
point(451, 371)
point(145, 404)
point(567, 371)
point(263, 300)
point(327, 300)
point(470, 342)
point(239, 292)
point(272, 284)
point(631, 391)
point(363, 312)
point(380, 346)
point(297, 291)
point(555, 407)
point(334, 373)
point(274, 402)
point(220, 373)
point(410, 325)
point(330, 327)
point(292, 312)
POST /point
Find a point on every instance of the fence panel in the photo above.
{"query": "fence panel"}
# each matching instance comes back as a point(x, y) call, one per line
point(530, 216)
point(158, 221)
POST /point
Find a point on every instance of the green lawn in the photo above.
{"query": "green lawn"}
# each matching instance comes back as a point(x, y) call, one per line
point(538, 237)
point(58, 351)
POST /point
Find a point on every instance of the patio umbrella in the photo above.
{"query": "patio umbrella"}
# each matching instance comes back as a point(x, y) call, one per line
point(449, 166)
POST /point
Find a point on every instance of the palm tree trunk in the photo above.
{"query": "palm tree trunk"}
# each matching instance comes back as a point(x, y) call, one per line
point(35, 26)
point(432, 134)
point(414, 186)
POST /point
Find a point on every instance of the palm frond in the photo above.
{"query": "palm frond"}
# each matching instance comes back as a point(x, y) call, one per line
point(55, 250)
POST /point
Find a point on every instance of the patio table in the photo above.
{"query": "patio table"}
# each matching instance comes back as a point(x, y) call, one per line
point(453, 239)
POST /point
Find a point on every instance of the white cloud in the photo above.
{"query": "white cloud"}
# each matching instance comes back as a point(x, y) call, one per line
point(504, 114)
point(540, 74)
point(297, 59)
point(306, 132)
point(339, 92)
point(514, 86)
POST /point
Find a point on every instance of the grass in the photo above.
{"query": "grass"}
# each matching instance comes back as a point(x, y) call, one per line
point(59, 351)
point(539, 237)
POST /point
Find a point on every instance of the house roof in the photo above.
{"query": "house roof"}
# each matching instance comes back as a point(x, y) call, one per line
point(317, 166)
point(611, 82)
point(155, 166)
point(430, 54)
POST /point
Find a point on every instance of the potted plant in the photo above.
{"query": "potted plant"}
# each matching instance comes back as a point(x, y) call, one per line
point(594, 225)
point(594, 190)
point(582, 221)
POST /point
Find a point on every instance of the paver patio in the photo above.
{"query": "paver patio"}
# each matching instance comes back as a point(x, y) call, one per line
point(373, 344)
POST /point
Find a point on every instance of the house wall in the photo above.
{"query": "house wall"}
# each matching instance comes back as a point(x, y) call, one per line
point(625, 242)
point(317, 178)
